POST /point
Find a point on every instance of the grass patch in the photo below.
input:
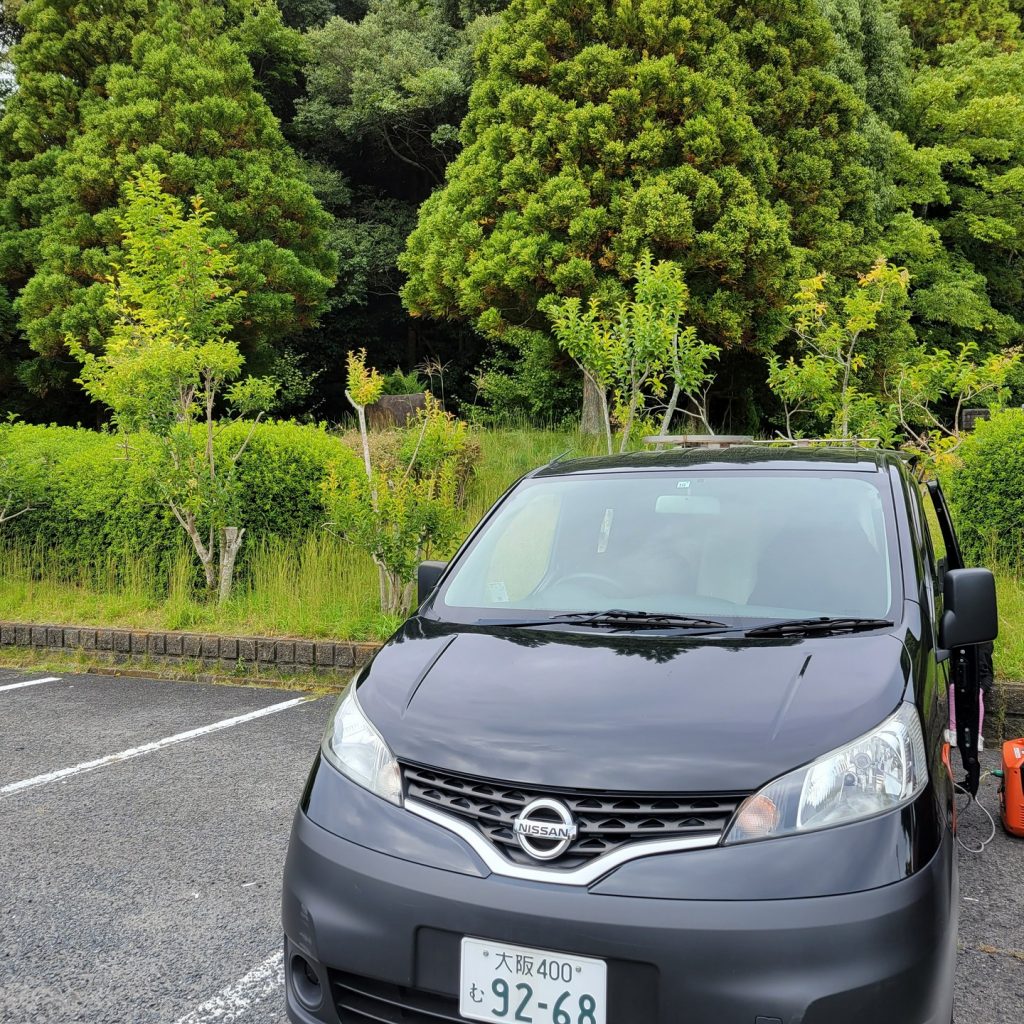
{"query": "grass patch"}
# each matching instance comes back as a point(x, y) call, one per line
point(315, 587)
point(1009, 656)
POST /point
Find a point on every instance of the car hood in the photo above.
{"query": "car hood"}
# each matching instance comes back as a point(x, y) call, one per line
point(588, 710)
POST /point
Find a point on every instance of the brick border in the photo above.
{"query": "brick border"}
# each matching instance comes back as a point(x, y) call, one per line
point(212, 650)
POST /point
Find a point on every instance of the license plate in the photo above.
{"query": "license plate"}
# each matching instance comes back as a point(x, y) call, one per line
point(501, 982)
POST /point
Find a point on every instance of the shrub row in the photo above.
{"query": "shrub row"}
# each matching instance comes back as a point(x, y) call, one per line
point(92, 497)
point(986, 491)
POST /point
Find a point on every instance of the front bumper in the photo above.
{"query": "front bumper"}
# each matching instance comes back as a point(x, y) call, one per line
point(382, 935)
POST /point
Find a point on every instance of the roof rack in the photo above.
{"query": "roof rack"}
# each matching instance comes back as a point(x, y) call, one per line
point(713, 441)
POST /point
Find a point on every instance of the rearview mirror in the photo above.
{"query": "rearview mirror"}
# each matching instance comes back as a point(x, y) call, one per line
point(427, 576)
point(970, 615)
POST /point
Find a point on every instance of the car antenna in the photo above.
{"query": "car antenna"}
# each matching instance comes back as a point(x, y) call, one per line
point(558, 458)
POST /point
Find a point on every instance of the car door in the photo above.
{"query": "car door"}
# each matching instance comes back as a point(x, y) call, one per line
point(965, 662)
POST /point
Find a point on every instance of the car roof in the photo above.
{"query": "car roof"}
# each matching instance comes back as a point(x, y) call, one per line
point(755, 457)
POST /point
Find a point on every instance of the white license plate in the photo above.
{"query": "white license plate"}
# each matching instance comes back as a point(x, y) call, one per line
point(501, 982)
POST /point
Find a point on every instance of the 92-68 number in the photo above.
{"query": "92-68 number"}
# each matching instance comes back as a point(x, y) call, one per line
point(581, 1013)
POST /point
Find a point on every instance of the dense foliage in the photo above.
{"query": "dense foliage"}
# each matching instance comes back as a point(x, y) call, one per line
point(167, 83)
point(474, 161)
point(985, 493)
point(710, 135)
point(94, 499)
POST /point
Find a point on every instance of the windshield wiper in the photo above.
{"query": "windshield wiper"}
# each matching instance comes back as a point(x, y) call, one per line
point(819, 624)
point(617, 618)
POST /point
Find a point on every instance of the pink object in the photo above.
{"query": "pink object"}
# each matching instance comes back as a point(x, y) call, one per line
point(952, 710)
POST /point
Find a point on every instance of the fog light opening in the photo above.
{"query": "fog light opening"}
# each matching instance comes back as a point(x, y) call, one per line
point(306, 983)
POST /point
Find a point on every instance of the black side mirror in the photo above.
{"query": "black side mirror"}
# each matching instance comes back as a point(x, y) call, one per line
point(427, 576)
point(970, 616)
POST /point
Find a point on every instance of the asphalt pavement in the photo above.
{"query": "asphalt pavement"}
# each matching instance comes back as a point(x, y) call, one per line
point(141, 854)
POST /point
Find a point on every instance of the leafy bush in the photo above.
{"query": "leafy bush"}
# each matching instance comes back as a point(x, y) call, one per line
point(399, 512)
point(95, 496)
point(398, 383)
point(985, 491)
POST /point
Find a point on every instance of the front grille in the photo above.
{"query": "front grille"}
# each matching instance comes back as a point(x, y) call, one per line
point(359, 1000)
point(606, 821)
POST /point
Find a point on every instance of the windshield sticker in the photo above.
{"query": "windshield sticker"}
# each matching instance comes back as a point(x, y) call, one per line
point(606, 529)
point(683, 485)
point(497, 592)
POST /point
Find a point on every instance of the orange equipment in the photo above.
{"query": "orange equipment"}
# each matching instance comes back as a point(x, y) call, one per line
point(1011, 792)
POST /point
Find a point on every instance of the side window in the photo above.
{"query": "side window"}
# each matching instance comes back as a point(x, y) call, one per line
point(916, 509)
point(933, 538)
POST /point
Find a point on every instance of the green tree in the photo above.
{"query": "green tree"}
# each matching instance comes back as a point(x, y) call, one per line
point(712, 135)
point(10, 32)
point(967, 110)
point(949, 301)
point(404, 505)
point(936, 23)
point(836, 378)
point(636, 349)
point(385, 91)
point(168, 361)
point(920, 384)
point(395, 83)
point(171, 87)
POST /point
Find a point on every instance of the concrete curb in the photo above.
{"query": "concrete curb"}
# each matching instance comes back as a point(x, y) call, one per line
point(212, 651)
point(1005, 719)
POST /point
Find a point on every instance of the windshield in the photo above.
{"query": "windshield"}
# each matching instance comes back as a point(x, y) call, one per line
point(732, 546)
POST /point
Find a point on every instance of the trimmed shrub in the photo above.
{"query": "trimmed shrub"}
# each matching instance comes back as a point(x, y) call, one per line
point(94, 498)
point(986, 491)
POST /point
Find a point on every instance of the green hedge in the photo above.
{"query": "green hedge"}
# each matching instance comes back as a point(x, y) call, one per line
point(986, 491)
point(92, 499)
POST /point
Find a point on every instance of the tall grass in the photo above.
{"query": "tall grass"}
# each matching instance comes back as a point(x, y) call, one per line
point(507, 453)
point(316, 586)
point(1009, 655)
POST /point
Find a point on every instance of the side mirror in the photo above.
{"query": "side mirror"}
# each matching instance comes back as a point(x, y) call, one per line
point(970, 616)
point(427, 575)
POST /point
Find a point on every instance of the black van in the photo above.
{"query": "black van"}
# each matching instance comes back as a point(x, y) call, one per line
point(664, 743)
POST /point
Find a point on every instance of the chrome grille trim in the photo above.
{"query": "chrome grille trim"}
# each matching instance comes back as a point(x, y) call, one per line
point(585, 874)
point(606, 821)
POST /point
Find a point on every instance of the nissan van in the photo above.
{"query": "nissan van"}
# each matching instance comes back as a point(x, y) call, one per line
point(665, 742)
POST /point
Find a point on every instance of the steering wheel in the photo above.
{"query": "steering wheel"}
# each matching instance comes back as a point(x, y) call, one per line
point(610, 585)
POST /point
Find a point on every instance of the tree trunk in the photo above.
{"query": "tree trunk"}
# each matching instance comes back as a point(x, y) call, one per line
point(594, 420)
point(607, 417)
point(627, 428)
point(670, 411)
point(384, 581)
point(230, 543)
point(204, 551)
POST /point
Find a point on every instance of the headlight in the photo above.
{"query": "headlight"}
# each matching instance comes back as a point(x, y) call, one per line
point(879, 772)
point(356, 749)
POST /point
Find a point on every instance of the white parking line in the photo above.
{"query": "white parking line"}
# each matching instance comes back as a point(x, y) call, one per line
point(232, 1002)
point(31, 682)
point(148, 748)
